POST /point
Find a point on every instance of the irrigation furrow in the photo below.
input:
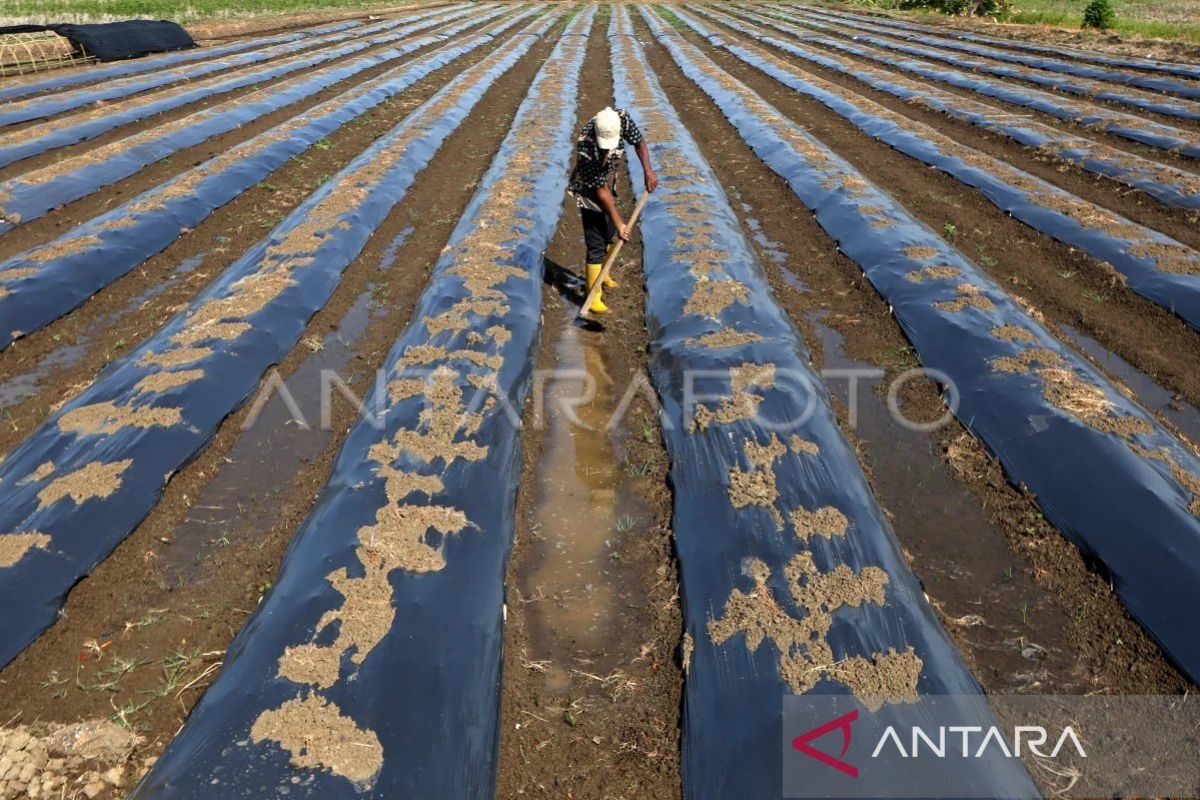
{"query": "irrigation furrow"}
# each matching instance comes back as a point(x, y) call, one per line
point(1151, 264)
point(32, 194)
point(1116, 123)
point(1189, 89)
point(1098, 464)
point(150, 63)
point(760, 559)
point(374, 662)
point(1096, 90)
point(41, 284)
point(1149, 65)
point(1165, 183)
point(77, 485)
point(89, 124)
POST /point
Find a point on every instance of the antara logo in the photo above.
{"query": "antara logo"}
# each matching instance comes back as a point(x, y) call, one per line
point(842, 724)
point(954, 741)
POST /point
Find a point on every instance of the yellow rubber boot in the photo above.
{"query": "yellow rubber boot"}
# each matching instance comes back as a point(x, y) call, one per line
point(609, 283)
point(593, 273)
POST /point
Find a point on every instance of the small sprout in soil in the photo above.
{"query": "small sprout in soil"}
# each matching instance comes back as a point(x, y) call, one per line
point(264, 587)
point(986, 259)
point(1068, 274)
point(111, 675)
point(322, 144)
point(54, 681)
point(623, 524)
point(145, 622)
point(949, 230)
point(634, 471)
point(270, 187)
point(175, 668)
point(125, 713)
point(1096, 297)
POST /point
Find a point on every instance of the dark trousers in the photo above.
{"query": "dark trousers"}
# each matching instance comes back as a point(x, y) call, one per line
point(598, 231)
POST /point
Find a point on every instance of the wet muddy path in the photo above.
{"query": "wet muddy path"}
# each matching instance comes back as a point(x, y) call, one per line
point(591, 690)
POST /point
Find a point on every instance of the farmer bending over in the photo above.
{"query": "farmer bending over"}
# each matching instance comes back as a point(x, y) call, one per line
point(598, 157)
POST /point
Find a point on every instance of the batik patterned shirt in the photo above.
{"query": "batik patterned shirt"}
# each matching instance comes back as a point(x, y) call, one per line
point(595, 167)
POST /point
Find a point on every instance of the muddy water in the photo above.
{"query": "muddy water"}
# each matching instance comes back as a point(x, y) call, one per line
point(392, 251)
point(772, 250)
point(289, 430)
point(582, 506)
point(60, 358)
point(1147, 391)
point(1011, 632)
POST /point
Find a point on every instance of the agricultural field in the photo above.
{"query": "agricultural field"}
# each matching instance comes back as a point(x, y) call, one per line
point(87, 11)
point(1061, 19)
point(314, 481)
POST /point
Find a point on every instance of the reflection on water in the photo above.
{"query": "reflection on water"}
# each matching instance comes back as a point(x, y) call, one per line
point(17, 388)
point(1148, 392)
point(237, 506)
point(581, 508)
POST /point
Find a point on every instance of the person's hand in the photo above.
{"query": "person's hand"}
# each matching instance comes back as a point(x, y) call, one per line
point(623, 232)
point(651, 182)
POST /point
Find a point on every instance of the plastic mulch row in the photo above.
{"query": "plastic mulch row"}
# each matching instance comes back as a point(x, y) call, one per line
point(79, 483)
point(372, 668)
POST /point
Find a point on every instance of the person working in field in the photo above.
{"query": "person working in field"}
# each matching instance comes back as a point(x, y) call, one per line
point(598, 157)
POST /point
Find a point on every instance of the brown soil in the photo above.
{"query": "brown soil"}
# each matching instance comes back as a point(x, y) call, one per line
point(144, 634)
point(217, 240)
point(1085, 640)
point(1126, 115)
point(319, 736)
point(54, 223)
point(1135, 205)
point(14, 546)
point(56, 761)
point(217, 31)
point(177, 76)
point(1084, 89)
point(582, 717)
point(612, 733)
point(212, 33)
point(94, 480)
point(1066, 285)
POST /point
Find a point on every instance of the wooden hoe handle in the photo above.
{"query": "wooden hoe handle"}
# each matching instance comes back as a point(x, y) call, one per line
point(612, 257)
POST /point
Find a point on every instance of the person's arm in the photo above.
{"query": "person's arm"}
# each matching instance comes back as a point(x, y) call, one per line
point(643, 154)
point(604, 197)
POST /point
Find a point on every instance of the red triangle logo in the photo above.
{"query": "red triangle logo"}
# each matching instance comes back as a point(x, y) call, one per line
point(842, 724)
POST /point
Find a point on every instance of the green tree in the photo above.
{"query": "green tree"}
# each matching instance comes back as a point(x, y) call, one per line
point(1099, 14)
